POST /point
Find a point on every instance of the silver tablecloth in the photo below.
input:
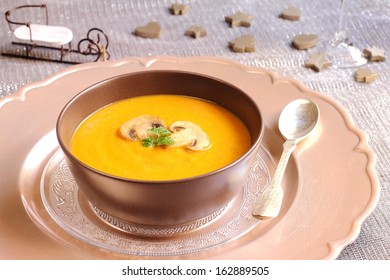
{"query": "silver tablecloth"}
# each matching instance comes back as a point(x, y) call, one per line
point(369, 24)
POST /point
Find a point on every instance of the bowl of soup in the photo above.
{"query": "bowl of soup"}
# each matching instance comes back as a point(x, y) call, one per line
point(159, 147)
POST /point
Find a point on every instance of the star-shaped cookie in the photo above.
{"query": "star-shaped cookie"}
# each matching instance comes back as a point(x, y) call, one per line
point(196, 31)
point(364, 75)
point(318, 61)
point(239, 19)
point(179, 9)
point(374, 54)
point(245, 43)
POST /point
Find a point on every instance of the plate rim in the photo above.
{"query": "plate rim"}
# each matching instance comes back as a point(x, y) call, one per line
point(335, 246)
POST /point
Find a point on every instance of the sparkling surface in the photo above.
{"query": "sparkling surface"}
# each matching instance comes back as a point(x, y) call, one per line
point(368, 104)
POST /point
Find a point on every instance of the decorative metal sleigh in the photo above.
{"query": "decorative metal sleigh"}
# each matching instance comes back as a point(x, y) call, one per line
point(32, 36)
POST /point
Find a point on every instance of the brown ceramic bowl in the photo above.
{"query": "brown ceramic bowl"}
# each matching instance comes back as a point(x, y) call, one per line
point(170, 202)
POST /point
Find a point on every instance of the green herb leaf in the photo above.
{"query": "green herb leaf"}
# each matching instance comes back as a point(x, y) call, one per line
point(148, 142)
point(162, 137)
point(165, 141)
point(160, 131)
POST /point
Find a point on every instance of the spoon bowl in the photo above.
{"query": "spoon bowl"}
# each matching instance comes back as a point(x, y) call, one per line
point(297, 121)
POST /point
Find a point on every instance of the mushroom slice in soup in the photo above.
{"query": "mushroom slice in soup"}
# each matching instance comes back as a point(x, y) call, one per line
point(186, 133)
point(138, 127)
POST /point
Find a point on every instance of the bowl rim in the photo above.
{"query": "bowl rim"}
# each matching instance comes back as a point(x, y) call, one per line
point(254, 145)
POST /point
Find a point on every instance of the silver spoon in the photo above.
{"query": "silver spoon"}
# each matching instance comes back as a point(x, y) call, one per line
point(297, 120)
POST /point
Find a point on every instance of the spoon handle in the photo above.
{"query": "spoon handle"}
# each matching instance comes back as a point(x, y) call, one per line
point(270, 201)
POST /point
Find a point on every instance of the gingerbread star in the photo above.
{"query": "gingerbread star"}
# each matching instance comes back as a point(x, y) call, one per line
point(244, 43)
point(374, 54)
point(239, 19)
point(179, 9)
point(318, 62)
point(196, 31)
point(364, 75)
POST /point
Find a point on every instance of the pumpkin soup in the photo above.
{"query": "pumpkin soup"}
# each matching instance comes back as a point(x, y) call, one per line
point(201, 137)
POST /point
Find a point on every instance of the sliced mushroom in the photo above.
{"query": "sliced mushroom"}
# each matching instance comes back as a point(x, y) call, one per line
point(138, 127)
point(188, 134)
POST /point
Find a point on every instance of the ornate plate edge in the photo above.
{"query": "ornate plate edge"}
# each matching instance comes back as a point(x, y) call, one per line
point(336, 246)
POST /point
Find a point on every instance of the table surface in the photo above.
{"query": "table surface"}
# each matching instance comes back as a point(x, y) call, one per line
point(368, 23)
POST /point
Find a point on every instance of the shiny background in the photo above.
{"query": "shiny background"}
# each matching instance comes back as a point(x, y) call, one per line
point(368, 22)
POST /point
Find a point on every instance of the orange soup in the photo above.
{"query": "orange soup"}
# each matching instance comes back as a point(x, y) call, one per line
point(98, 142)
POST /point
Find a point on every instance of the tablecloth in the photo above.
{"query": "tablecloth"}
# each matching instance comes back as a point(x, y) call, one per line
point(368, 22)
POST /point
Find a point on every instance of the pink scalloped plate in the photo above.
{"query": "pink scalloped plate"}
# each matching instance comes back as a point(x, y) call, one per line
point(331, 184)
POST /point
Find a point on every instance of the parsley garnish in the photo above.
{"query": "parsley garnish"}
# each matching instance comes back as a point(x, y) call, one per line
point(161, 137)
